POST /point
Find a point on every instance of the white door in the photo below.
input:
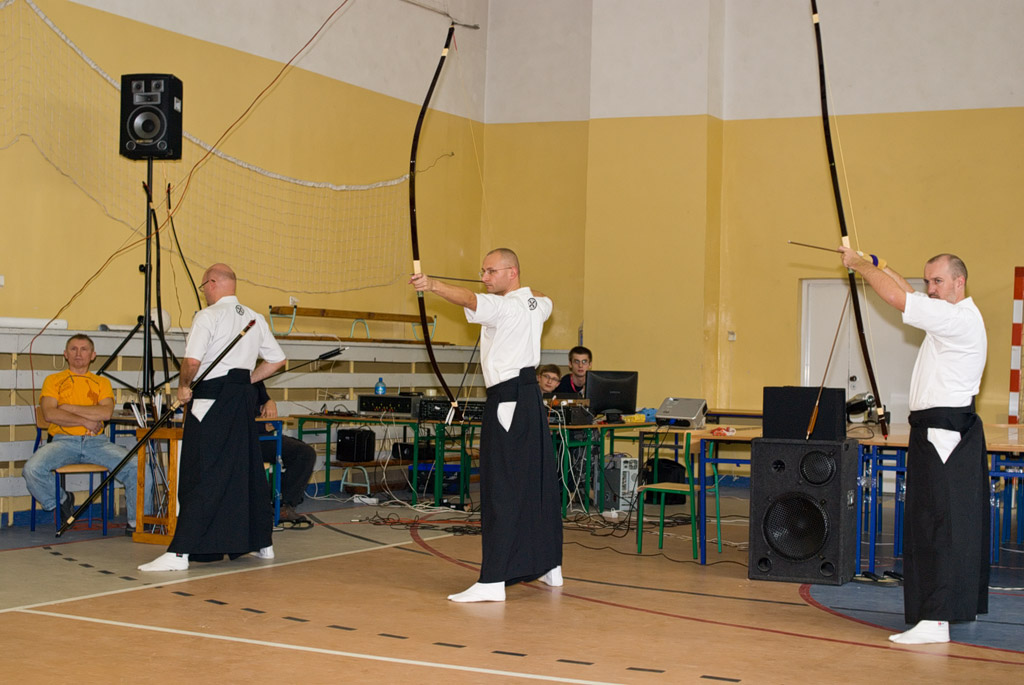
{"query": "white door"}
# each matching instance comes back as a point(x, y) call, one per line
point(893, 346)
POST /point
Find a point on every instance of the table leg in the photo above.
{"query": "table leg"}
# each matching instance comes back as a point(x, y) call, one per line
point(861, 453)
point(439, 438)
point(702, 502)
point(278, 429)
point(415, 464)
point(873, 513)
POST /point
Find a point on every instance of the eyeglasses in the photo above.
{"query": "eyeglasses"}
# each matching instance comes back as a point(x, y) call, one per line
point(204, 283)
point(551, 377)
point(580, 362)
point(491, 272)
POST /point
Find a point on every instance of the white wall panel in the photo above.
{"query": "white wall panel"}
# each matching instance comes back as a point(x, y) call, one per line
point(569, 60)
point(650, 58)
point(386, 46)
point(538, 61)
point(893, 56)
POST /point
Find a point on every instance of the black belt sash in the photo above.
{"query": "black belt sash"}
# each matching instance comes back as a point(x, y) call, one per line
point(959, 419)
point(212, 388)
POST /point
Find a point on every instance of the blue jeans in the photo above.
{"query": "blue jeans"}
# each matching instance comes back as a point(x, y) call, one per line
point(82, 449)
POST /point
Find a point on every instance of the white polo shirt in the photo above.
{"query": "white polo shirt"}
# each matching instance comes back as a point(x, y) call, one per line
point(949, 364)
point(214, 328)
point(512, 327)
point(952, 357)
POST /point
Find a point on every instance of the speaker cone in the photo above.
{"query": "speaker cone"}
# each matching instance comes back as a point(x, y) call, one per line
point(795, 526)
point(817, 467)
point(146, 125)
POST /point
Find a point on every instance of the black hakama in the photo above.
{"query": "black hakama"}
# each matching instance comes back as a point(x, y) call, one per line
point(223, 489)
point(520, 513)
point(946, 533)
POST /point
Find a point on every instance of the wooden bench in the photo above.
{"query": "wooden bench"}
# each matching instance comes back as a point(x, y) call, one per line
point(357, 318)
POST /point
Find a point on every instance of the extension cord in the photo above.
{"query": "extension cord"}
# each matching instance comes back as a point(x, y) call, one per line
point(364, 499)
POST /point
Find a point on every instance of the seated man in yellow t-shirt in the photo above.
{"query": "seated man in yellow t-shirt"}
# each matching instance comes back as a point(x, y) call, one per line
point(77, 403)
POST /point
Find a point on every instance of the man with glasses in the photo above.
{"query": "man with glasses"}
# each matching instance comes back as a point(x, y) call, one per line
point(520, 515)
point(946, 524)
point(575, 382)
point(222, 487)
point(548, 377)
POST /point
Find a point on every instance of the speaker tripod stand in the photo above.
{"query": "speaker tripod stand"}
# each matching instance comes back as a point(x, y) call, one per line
point(146, 323)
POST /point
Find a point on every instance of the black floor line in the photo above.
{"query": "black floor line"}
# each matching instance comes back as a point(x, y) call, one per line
point(336, 529)
point(393, 636)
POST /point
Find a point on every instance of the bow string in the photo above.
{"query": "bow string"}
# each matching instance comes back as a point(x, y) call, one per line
point(854, 298)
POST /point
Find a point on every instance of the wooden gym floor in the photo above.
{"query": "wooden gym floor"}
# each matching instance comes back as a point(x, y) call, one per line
point(357, 602)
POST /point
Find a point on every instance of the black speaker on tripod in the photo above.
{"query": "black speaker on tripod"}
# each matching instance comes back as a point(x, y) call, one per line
point(150, 116)
point(803, 499)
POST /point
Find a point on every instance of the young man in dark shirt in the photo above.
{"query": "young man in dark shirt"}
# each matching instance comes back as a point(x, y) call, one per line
point(575, 382)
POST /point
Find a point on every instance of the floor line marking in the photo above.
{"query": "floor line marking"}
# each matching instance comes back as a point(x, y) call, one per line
point(165, 583)
point(316, 650)
point(725, 624)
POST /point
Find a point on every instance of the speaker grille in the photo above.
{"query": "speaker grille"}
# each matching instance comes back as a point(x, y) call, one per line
point(817, 467)
point(796, 526)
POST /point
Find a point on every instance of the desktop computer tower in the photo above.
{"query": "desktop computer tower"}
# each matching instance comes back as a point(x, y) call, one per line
point(620, 476)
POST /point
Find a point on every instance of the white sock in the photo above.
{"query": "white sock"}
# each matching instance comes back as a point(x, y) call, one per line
point(552, 577)
point(264, 553)
point(925, 632)
point(481, 592)
point(168, 561)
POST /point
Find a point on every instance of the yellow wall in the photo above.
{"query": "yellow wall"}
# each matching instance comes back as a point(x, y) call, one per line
point(536, 204)
point(920, 184)
point(307, 127)
point(646, 225)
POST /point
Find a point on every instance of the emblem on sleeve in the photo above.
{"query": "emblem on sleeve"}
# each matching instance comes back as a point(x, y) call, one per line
point(240, 310)
point(531, 303)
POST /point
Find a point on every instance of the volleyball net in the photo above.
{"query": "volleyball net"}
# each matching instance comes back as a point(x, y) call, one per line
point(288, 234)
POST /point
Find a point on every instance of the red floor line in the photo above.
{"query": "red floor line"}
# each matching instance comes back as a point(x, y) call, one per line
point(805, 593)
point(414, 533)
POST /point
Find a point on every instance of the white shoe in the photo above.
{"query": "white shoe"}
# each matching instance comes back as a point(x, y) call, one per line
point(481, 592)
point(264, 553)
point(924, 633)
point(552, 577)
point(168, 561)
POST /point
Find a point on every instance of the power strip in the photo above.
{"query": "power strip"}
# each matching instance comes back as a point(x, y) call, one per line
point(364, 499)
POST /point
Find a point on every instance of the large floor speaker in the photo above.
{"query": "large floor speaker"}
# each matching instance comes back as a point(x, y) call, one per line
point(803, 502)
point(150, 116)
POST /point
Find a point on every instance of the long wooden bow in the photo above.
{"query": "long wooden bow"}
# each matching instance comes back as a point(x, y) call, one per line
point(879, 408)
point(412, 221)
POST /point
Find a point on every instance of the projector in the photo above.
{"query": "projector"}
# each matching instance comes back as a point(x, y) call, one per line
point(681, 412)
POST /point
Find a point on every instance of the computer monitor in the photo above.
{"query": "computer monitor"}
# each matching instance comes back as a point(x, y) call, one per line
point(612, 393)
